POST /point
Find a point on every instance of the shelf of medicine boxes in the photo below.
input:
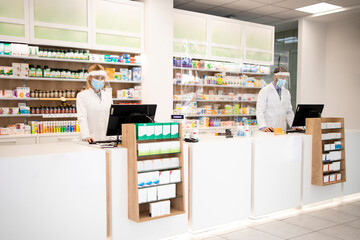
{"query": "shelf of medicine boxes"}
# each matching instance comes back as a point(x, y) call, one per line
point(313, 127)
point(194, 100)
point(219, 70)
point(61, 79)
point(69, 60)
point(140, 212)
point(61, 99)
point(221, 115)
point(215, 85)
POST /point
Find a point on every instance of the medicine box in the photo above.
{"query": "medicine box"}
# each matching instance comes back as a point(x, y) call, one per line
point(332, 177)
point(326, 168)
point(175, 176)
point(141, 131)
point(16, 69)
point(157, 164)
point(164, 177)
point(143, 149)
point(338, 177)
point(150, 131)
point(166, 130)
point(158, 131)
point(152, 194)
point(174, 162)
point(148, 165)
point(174, 130)
point(142, 195)
point(326, 179)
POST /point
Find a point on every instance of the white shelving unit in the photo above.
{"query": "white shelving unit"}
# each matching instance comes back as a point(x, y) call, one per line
point(219, 70)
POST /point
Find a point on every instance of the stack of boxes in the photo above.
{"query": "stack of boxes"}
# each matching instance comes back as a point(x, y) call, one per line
point(157, 178)
point(151, 131)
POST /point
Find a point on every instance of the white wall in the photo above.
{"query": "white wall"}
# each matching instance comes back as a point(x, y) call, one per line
point(158, 52)
point(328, 68)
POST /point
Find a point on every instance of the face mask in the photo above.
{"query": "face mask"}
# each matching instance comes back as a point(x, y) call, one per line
point(281, 83)
point(97, 84)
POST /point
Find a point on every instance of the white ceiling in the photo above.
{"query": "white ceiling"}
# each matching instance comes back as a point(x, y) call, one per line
point(270, 12)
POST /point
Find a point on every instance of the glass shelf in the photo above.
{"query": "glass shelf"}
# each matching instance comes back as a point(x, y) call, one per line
point(178, 196)
point(161, 154)
point(333, 150)
point(163, 169)
point(159, 185)
point(330, 172)
point(330, 161)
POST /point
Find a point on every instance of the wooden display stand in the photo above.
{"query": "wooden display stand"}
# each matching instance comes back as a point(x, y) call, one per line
point(314, 128)
point(140, 212)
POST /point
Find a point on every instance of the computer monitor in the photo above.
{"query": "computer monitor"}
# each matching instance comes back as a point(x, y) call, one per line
point(129, 113)
point(304, 111)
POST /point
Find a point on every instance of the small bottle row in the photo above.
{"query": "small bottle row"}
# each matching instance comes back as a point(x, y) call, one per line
point(62, 108)
point(67, 93)
point(38, 127)
point(47, 72)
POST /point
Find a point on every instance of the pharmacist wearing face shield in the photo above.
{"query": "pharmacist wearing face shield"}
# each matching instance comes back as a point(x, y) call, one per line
point(93, 106)
point(273, 107)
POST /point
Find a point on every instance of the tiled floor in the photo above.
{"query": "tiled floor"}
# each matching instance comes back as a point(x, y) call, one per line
point(339, 220)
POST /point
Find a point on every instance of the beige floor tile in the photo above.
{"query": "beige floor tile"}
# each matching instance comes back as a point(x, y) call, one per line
point(348, 209)
point(354, 224)
point(214, 238)
point(315, 236)
point(249, 234)
point(334, 216)
point(283, 229)
point(342, 232)
point(310, 222)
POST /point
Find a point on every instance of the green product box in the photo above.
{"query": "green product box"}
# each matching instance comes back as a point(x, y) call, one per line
point(143, 149)
point(141, 131)
point(7, 49)
point(166, 130)
point(150, 131)
point(158, 131)
point(174, 130)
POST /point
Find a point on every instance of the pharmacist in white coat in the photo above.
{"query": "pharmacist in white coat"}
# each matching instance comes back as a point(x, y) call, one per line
point(273, 107)
point(93, 106)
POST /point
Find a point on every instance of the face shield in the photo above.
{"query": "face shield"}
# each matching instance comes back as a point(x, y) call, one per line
point(283, 79)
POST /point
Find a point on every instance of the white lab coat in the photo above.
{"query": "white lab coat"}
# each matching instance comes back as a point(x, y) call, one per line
point(93, 113)
point(271, 111)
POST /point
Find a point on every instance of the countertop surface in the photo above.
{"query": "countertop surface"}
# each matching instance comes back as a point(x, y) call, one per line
point(43, 149)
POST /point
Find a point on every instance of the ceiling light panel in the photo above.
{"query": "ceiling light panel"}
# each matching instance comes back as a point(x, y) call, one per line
point(318, 8)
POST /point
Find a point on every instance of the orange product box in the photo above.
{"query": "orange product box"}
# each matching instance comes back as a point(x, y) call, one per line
point(110, 73)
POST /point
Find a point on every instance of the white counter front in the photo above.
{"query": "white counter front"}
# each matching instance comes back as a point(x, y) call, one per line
point(220, 181)
point(52, 191)
point(276, 173)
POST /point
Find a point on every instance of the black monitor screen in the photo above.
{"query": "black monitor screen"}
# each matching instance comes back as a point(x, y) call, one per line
point(304, 111)
point(129, 113)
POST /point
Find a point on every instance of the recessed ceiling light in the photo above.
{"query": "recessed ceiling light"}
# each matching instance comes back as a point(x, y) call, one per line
point(318, 8)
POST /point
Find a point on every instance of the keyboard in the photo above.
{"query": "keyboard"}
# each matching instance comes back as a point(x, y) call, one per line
point(104, 141)
point(295, 131)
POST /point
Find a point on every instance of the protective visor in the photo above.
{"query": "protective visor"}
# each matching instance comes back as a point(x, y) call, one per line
point(283, 79)
point(98, 73)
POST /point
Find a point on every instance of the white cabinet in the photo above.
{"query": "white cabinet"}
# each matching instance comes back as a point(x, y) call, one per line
point(17, 141)
point(56, 139)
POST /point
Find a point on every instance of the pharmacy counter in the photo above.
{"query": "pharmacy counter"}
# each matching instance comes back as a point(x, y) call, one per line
point(52, 191)
point(219, 182)
point(352, 153)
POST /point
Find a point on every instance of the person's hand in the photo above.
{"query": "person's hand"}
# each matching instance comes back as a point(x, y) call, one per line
point(89, 140)
point(297, 128)
point(268, 129)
